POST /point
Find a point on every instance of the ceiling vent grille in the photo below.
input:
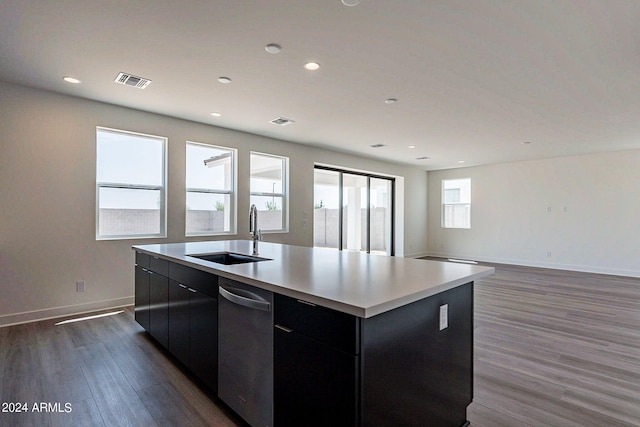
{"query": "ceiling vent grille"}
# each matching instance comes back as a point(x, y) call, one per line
point(378, 145)
point(281, 121)
point(131, 80)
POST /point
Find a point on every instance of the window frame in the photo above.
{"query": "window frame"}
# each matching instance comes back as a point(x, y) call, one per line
point(444, 206)
point(119, 185)
point(284, 195)
point(231, 192)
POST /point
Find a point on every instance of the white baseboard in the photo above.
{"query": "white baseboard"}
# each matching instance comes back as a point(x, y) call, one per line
point(418, 255)
point(55, 312)
point(553, 266)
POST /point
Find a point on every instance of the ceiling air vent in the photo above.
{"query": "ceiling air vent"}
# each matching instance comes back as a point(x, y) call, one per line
point(131, 80)
point(281, 121)
point(378, 145)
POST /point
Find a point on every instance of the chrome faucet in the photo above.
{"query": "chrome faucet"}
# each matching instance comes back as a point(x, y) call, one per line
point(253, 228)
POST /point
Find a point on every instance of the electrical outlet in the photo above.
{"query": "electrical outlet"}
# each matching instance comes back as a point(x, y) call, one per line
point(80, 286)
point(444, 316)
point(548, 254)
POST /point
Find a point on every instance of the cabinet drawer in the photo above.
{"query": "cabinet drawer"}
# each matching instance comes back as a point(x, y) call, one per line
point(202, 281)
point(159, 265)
point(142, 260)
point(339, 330)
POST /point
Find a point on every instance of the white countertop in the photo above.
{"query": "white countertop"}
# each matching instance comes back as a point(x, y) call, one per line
point(359, 284)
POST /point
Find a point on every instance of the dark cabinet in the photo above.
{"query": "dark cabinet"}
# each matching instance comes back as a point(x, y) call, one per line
point(193, 321)
point(142, 297)
point(316, 365)
point(159, 308)
point(203, 338)
point(398, 368)
point(152, 296)
point(314, 384)
point(179, 321)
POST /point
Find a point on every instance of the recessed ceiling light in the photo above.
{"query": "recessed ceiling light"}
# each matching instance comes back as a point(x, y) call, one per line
point(390, 101)
point(461, 161)
point(71, 80)
point(350, 2)
point(312, 66)
point(216, 114)
point(273, 48)
point(411, 146)
point(224, 80)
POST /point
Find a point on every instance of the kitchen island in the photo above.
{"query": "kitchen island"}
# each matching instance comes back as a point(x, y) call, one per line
point(350, 338)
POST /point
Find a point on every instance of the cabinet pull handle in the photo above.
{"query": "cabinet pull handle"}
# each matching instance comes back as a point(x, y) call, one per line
point(182, 286)
point(245, 298)
point(307, 303)
point(283, 328)
point(192, 290)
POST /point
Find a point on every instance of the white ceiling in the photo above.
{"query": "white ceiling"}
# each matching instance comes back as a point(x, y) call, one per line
point(474, 79)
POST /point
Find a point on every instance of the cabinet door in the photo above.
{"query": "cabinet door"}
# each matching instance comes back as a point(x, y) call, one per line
point(203, 337)
point(159, 308)
point(314, 384)
point(142, 297)
point(179, 321)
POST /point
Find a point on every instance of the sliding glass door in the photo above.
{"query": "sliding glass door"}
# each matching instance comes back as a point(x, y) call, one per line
point(353, 211)
point(380, 205)
point(326, 222)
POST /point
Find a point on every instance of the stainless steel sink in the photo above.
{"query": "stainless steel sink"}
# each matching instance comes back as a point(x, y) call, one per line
point(228, 258)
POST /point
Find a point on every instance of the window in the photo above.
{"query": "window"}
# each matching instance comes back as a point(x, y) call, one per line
point(456, 203)
point(269, 190)
point(130, 185)
point(210, 184)
point(353, 211)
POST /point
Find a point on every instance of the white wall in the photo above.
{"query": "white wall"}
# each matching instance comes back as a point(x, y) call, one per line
point(584, 211)
point(47, 199)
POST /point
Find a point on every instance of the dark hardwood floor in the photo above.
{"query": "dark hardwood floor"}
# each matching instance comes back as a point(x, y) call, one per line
point(552, 348)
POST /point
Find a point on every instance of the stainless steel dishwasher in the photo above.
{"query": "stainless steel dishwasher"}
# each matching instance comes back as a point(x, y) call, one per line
point(245, 351)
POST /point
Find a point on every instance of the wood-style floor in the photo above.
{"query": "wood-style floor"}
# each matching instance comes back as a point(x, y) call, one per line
point(556, 349)
point(551, 349)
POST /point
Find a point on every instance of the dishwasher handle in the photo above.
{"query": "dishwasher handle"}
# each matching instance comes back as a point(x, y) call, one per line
point(245, 299)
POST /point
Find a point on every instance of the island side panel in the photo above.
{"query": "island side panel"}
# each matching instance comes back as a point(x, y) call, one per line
point(413, 373)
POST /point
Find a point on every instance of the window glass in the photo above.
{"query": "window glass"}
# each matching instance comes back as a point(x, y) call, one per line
point(129, 158)
point(268, 190)
point(210, 181)
point(456, 203)
point(355, 232)
point(380, 215)
point(130, 185)
point(326, 199)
